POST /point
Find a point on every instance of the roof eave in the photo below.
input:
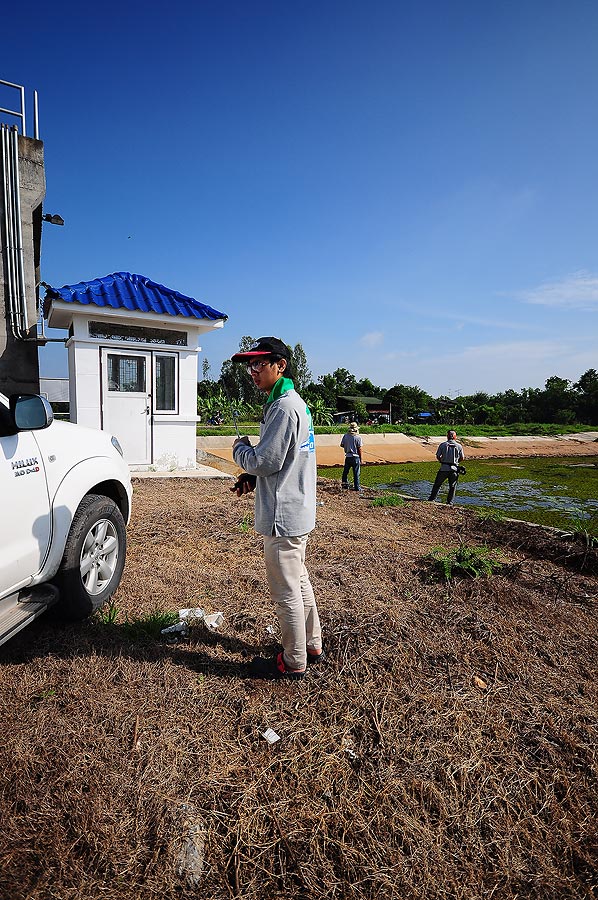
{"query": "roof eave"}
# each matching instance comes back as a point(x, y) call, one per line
point(60, 314)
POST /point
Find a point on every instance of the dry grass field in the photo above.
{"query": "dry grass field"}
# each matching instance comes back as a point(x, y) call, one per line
point(445, 751)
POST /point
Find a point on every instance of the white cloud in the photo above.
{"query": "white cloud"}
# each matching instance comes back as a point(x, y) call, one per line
point(430, 311)
point(510, 351)
point(372, 339)
point(401, 354)
point(576, 291)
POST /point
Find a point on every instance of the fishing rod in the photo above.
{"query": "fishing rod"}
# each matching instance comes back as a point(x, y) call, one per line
point(373, 455)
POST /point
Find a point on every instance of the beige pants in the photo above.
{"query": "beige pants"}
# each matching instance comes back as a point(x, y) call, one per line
point(291, 590)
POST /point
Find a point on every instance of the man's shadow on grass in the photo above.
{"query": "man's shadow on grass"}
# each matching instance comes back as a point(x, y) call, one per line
point(47, 637)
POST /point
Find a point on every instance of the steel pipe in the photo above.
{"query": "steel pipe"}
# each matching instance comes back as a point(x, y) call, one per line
point(22, 89)
point(12, 250)
point(15, 265)
point(6, 185)
point(35, 117)
point(20, 258)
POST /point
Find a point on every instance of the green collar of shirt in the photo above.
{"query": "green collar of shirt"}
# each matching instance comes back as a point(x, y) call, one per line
point(281, 387)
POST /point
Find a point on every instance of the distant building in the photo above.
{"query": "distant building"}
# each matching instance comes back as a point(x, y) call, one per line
point(347, 402)
point(56, 390)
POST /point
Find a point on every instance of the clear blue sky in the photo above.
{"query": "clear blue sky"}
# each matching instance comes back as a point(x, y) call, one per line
point(408, 189)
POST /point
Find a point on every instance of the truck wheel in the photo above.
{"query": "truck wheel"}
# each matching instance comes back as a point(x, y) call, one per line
point(94, 558)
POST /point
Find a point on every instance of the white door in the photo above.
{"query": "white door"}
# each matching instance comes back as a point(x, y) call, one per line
point(127, 401)
point(25, 518)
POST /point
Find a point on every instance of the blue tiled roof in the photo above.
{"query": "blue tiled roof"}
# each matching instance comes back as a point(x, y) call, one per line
point(134, 292)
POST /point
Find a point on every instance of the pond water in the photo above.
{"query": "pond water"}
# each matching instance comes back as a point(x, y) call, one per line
point(553, 491)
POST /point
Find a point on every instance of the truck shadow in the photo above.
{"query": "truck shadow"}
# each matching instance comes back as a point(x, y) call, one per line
point(202, 652)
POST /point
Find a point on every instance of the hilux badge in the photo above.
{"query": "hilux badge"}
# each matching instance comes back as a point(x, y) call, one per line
point(25, 466)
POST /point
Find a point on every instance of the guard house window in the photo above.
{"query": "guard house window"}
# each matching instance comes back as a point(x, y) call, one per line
point(126, 373)
point(166, 382)
point(137, 334)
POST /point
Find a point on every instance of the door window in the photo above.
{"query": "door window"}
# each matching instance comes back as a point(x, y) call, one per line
point(126, 373)
point(166, 382)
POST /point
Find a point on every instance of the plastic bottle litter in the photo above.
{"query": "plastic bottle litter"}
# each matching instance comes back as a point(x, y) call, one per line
point(181, 628)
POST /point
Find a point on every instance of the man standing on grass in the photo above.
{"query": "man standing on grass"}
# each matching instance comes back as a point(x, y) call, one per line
point(351, 444)
point(449, 455)
point(282, 470)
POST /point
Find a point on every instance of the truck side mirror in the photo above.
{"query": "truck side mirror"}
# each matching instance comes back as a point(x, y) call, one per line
point(31, 412)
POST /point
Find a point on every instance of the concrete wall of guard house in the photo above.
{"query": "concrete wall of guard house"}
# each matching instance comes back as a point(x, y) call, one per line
point(84, 384)
point(19, 366)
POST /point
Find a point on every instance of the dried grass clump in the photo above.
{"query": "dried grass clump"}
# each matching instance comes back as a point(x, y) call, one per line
point(447, 749)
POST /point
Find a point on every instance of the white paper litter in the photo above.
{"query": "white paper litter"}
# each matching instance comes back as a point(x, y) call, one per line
point(270, 735)
point(185, 615)
point(189, 616)
point(214, 620)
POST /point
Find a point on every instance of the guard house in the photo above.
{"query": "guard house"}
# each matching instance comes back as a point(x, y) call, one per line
point(132, 354)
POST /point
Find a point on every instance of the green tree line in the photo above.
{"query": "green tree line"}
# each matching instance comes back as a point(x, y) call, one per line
point(560, 401)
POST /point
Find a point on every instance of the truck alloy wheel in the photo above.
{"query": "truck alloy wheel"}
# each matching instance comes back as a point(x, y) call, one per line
point(99, 556)
point(94, 557)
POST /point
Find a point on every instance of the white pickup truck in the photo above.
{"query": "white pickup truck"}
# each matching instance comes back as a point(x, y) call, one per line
point(65, 499)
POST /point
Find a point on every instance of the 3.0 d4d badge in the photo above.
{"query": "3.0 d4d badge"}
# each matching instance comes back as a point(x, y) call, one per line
point(25, 466)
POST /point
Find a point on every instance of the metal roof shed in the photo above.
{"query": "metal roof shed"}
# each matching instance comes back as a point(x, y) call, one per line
point(133, 346)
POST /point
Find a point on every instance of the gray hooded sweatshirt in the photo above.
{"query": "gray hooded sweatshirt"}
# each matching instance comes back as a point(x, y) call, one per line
point(284, 461)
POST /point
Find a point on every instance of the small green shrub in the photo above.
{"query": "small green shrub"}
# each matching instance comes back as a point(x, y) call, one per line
point(487, 514)
point(246, 523)
point(148, 627)
point(388, 500)
point(464, 561)
point(585, 528)
point(108, 613)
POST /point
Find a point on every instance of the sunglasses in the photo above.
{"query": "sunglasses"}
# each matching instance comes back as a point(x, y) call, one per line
point(256, 365)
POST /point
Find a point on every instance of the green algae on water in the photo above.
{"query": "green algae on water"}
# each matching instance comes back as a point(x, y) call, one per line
point(557, 491)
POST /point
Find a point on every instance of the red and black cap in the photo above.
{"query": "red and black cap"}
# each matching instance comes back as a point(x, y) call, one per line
point(264, 346)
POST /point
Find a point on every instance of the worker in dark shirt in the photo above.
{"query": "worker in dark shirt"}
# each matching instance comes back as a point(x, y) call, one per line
point(351, 444)
point(449, 455)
